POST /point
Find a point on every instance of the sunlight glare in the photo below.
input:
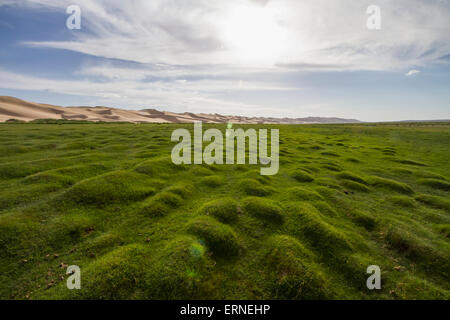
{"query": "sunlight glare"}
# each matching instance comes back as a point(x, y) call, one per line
point(253, 35)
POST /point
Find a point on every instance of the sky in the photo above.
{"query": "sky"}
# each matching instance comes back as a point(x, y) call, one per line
point(280, 58)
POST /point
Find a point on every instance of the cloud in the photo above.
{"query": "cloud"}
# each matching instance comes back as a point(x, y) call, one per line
point(317, 32)
point(173, 95)
point(412, 72)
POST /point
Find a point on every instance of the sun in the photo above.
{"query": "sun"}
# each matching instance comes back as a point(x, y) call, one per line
point(253, 35)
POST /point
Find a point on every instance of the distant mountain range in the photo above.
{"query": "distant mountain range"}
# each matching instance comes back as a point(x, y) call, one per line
point(14, 108)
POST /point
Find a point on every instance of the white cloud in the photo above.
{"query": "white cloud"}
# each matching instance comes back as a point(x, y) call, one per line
point(315, 32)
point(412, 72)
point(181, 96)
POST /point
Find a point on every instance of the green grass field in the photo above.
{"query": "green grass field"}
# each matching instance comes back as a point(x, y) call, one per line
point(106, 197)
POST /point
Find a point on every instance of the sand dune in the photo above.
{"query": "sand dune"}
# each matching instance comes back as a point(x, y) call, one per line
point(14, 108)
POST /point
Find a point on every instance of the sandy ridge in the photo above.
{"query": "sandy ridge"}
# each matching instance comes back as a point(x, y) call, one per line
point(14, 108)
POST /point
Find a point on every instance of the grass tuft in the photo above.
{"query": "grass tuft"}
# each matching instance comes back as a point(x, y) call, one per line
point(354, 185)
point(363, 219)
point(118, 186)
point(225, 209)
point(390, 185)
point(219, 238)
point(212, 181)
point(302, 176)
point(179, 270)
point(264, 209)
point(116, 275)
point(351, 176)
point(290, 273)
point(434, 201)
point(403, 201)
point(435, 183)
point(161, 204)
point(182, 190)
point(253, 187)
point(299, 193)
point(306, 221)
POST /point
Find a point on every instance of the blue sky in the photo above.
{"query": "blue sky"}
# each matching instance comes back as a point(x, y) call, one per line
point(248, 57)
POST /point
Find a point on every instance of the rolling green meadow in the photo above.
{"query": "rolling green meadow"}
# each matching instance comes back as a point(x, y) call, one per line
point(107, 198)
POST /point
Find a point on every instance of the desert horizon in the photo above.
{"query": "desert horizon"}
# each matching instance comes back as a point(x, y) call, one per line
point(12, 108)
point(18, 109)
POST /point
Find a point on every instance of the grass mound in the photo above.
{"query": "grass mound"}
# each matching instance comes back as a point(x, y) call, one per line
point(390, 185)
point(9, 149)
point(200, 171)
point(49, 177)
point(158, 166)
point(225, 209)
point(219, 238)
point(326, 182)
point(325, 208)
point(363, 219)
point(434, 201)
point(444, 229)
point(430, 260)
point(253, 187)
point(17, 170)
point(182, 190)
point(27, 194)
point(435, 183)
point(402, 171)
point(305, 221)
point(161, 204)
point(326, 192)
point(430, 175)
point(103, 243)
point(403, 201)
point(264, 209)
point(354, 269)
point(116, 275)
point(212, 181)
point(302, 176)
point(353, 185)
point(12, 231)
point(118, 186)
point(291, 275)
point(145, 155)
point(67, 229)
point(80, 172)
point(79, 145)
point(256, 175)
point(331, 167)
point(330, 154)
point(351, 176)
point(179, 271)
point(411, 162)
point(300, 193)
